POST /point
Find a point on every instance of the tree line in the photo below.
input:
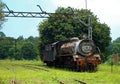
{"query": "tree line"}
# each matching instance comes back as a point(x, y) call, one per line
point(18, 49)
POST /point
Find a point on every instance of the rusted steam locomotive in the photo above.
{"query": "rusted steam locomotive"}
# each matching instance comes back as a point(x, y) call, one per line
point(80, 55)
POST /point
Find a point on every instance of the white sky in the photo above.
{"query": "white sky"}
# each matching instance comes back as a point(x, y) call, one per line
point(106, 10)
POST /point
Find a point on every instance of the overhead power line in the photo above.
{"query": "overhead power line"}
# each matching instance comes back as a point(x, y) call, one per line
point(41, 14)
point(44, 14)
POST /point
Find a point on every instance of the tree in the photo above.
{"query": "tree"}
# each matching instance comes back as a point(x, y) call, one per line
point(5, 44)
point(32, 39)
point(28, 51)
point(2, 34)
point(116, 46)
point(117, 40)
point(20, 38)
point(64, 27)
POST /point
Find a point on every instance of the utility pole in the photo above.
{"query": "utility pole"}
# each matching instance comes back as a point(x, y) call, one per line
point(84, 23)
point(89, 23)
point(86, 4)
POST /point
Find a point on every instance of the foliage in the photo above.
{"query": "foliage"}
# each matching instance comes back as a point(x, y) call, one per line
point(114, 48)
point(117, 40)
point(23, 71)
point(28, 51)
point(64, 27)
point(19, 48)
point(2, 34)
point(32, 39)
point(5, 45)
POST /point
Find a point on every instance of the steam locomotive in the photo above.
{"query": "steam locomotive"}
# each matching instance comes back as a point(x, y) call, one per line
point(75, 54)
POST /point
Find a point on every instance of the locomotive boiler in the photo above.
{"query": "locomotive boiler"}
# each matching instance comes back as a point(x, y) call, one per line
point(75, 54)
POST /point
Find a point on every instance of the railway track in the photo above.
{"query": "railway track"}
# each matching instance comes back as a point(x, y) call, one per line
point(81, 82)
point(36, 68)
point(46, 69)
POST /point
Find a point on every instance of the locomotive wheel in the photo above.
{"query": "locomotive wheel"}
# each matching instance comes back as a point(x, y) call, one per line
point(69, 62)
point(83, 68)
point(91, 67)
point(50, 64)
point(78, 68)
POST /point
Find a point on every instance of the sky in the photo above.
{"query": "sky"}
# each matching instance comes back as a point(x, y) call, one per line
point(106, 10)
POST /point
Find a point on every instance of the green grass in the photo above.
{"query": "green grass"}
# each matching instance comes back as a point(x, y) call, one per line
point(35, 72)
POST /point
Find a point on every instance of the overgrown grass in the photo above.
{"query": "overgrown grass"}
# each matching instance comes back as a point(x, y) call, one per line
point(35, 72)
